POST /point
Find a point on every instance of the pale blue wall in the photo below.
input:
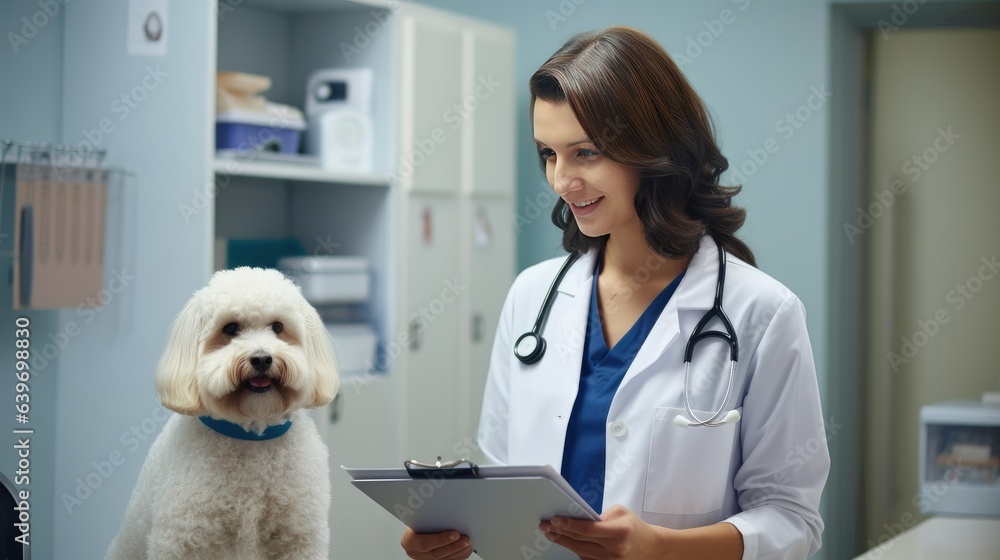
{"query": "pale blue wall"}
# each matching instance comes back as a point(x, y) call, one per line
point(760, 67)
point(29, 113)
point(58, 88)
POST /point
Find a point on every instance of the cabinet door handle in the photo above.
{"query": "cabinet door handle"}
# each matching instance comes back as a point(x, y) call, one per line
point(335, 409)
point(477, 327)
point(414, 335)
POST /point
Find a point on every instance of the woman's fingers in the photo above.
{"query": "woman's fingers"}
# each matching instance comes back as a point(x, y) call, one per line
point(448, 545)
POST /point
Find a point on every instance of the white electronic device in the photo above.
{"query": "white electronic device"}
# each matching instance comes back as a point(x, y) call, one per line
point(338, 108)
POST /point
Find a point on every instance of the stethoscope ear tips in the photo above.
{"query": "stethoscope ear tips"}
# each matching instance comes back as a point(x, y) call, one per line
point(529, 348)
point(729, 418)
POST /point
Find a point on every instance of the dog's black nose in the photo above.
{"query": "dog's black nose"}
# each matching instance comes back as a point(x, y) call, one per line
point(260, 362)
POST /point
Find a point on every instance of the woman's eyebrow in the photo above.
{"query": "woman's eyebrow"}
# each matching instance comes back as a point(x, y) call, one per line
point(568, 145)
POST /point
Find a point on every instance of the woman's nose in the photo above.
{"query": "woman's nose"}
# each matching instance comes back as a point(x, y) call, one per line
point(564, 180)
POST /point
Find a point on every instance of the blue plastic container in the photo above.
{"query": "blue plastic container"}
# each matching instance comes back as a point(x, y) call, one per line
point(247, 131)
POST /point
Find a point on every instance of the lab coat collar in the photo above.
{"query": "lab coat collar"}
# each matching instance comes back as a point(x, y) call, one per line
point(579, 277)
point(696, 290)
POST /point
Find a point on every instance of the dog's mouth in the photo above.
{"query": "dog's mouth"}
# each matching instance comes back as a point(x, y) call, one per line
point(260, 384)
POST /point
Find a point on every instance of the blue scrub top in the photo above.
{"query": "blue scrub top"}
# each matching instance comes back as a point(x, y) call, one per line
point(602, 371)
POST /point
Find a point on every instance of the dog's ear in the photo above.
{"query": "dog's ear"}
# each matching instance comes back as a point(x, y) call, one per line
point(176, 382)
point(319, 351)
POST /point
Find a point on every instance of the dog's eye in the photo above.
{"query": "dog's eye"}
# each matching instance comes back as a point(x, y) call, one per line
point(231, 329)
point(278, 327)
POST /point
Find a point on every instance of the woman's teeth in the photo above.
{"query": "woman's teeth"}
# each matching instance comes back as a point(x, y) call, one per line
point(585, 203)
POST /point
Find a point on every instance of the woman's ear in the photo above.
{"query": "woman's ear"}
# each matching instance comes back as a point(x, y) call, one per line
point(319, 351)
point(176, 382)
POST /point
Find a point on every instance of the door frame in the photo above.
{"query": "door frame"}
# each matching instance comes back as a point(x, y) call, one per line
point(853, 26)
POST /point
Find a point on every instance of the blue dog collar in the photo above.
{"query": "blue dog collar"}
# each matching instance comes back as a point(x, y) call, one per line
point(227, 428)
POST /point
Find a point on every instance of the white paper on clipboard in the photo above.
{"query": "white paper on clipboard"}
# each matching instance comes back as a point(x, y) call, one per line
point(500, 510)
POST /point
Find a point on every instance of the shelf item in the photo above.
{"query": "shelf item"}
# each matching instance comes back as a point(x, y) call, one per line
point(960, 458)
point(354, 345)
point(246, 120)
point(263, 253)
point(341, 130)
point(290, 168)
point(329, 280)
point(277, 131)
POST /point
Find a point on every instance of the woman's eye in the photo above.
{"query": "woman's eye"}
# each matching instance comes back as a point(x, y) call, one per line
point(586, 153)
point(545, 153)
point(278, 327)
point(231, 329)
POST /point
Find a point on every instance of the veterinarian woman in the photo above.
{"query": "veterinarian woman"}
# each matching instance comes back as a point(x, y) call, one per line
point(628, 147)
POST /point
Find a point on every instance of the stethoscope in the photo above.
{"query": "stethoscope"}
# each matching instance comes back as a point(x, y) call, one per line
point(530, 346)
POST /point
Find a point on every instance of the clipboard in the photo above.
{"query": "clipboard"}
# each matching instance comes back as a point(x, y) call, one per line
point(499, 507)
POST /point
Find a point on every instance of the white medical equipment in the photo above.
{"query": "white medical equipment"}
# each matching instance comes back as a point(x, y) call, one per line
point(338, 108)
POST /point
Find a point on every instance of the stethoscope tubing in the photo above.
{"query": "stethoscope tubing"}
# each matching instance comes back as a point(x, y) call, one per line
point(530, 346)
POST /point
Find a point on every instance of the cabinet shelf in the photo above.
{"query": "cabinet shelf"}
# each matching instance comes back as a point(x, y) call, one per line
point(293, 171)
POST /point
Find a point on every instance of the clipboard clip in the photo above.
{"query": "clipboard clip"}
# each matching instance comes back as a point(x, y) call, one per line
point(416, 469)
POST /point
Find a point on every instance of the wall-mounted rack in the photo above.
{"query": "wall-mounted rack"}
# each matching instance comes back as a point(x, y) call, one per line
point(56, 198)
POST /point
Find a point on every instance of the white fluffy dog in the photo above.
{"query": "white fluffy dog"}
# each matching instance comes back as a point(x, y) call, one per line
point(241, 472)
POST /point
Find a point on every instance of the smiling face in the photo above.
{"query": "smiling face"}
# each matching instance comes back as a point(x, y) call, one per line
point(599, 191)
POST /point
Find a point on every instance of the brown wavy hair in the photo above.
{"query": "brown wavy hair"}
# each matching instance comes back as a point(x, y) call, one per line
point(638, 109)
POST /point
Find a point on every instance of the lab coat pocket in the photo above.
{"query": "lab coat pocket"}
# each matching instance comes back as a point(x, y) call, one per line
point(688, 466)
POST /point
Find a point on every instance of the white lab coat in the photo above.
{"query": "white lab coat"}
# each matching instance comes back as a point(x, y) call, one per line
point(764, 473)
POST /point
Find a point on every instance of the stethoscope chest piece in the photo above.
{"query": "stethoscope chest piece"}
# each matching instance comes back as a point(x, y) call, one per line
point(529, 348)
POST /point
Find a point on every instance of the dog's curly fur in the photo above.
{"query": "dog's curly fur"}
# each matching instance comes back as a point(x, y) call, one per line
point(247, 349)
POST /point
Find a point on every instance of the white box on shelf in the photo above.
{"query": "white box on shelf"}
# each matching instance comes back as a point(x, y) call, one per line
point(326, 280)
point(354, 345)
point(959, 469)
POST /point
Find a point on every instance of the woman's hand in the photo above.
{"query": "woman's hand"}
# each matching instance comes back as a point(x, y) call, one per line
point(449, 545)
point(620, 535)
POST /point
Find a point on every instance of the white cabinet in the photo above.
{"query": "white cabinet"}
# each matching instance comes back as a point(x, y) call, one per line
point(432, 89)
point(429, 284)
point(435, 220)
point(359, 528)
point(487, 230)
point(490, 100)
